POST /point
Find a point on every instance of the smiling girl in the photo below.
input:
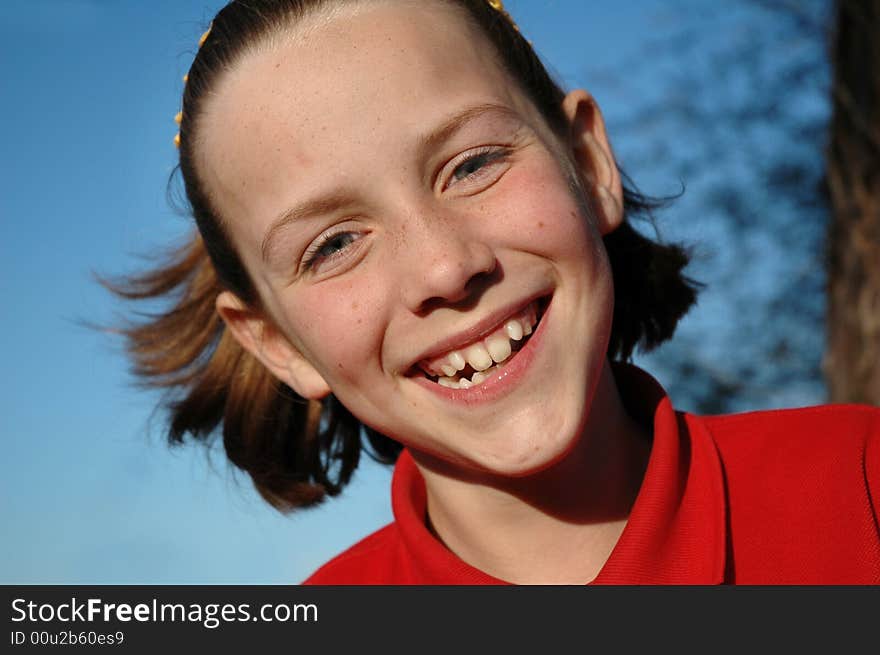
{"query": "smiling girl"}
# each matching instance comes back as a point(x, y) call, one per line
point(408, 234)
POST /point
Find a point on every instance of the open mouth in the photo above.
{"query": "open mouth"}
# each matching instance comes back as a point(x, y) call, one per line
point(472, 364)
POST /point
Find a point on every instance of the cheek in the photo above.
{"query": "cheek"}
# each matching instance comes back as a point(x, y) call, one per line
point(338, 328)
point(541, 210)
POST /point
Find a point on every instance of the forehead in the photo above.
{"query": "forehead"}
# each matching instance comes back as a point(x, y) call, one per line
point(349, 82)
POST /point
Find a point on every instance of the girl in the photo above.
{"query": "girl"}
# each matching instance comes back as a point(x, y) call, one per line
point(408, 234)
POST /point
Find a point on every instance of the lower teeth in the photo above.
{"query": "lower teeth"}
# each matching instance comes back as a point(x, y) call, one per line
point(477, 378)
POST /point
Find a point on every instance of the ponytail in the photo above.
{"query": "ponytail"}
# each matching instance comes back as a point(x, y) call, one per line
point(295, 451)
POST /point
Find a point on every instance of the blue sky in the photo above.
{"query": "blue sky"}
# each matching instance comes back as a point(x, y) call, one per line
point(91, 494)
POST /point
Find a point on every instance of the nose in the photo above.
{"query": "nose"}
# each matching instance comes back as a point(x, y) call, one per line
point(442, 263)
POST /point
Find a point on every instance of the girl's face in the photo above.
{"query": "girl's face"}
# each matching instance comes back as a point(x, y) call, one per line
point(402, 209)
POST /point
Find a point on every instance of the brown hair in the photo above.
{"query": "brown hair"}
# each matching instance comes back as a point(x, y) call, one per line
point(297, 452)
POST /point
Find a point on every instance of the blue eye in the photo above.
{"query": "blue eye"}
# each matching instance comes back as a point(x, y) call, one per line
point(475, 164)
point(471, 166)
point(335, 244)
point(329, 246)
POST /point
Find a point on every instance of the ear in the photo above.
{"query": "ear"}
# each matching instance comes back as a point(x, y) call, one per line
point(594, 158)
point(262, 339)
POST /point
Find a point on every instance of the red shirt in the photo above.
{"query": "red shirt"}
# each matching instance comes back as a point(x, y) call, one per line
point(771, 497)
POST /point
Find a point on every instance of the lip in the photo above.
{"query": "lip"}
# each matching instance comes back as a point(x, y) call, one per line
point(502, 381)
point(482, 328)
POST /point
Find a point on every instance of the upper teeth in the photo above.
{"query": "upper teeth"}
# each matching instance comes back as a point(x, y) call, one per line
point(478, 356)
point(482, 354)
point(498, 347)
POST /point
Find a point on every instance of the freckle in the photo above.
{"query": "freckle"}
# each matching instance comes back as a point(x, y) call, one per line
point(354, 305)
point(540, 224)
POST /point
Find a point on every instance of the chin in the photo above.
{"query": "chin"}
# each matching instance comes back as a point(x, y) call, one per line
point(539, 445)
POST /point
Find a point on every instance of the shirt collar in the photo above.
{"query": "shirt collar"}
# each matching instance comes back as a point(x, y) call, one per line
point(676, 532)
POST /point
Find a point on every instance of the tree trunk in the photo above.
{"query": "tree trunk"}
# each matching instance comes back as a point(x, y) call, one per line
point(852, 360)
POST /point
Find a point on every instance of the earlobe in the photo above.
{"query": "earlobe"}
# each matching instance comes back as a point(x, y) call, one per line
point(262, 339)
point(594, 158)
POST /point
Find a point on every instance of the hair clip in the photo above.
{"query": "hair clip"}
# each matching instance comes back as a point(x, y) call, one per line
point(204, 37)
point(498, 5)
point(178, 118)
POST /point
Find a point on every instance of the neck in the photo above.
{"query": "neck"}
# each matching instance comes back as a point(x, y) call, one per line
point(557, 526)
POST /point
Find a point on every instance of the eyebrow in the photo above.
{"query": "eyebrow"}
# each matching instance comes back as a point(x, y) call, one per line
point(336, 201)
point(318, 206)
point(456, 122)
